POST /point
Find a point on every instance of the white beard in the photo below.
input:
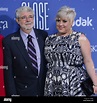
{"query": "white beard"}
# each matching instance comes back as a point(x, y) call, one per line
point(27, 26)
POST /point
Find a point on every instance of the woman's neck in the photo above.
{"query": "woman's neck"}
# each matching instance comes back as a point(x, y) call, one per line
point(64, 34)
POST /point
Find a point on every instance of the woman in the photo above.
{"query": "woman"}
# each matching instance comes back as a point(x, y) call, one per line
point(2, 89)
point(66, 54)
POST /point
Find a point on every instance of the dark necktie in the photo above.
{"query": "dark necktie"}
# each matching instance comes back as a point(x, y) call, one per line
point(32, 52)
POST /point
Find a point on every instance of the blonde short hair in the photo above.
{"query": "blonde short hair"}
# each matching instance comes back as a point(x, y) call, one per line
point(66, 12)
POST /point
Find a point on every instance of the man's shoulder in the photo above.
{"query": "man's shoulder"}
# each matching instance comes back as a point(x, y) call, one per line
point(41, 33)
point(9, 36)
point(40, 30)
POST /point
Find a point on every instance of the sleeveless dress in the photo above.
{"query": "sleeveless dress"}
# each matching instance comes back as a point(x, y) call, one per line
point(65, 66)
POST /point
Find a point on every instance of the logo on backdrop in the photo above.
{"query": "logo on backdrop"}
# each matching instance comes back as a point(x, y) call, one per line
point(3, 22)
point(83, 22)
point(41, 16)
point(94, 48)
point(6, 24)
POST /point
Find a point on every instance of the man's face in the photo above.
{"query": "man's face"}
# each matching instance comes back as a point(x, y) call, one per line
point(26, 20)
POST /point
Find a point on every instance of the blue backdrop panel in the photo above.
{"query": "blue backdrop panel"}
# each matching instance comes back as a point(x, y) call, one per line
point(45, 12)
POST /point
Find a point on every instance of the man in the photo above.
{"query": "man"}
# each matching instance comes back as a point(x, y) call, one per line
point(21, 78)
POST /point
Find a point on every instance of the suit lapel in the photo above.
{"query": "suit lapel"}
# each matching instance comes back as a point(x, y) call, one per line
point(39, 40)
point(23, 51)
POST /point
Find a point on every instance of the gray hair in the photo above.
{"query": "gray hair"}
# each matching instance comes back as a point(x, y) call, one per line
point(23, 9)
point(66, 12)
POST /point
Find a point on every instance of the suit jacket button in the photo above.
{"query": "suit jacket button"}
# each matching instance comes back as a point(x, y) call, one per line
point(25, 67)
point(14, 57)
point(26, 86)
point(14, 76)
point(36, 76)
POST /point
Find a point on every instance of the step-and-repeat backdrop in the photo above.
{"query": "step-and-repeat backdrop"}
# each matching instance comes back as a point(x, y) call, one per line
point(45, 12)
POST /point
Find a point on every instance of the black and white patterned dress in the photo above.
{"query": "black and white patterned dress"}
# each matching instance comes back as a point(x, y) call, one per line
point(65, 66)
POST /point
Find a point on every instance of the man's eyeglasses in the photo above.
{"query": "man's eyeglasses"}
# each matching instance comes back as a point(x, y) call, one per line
point(25, 17)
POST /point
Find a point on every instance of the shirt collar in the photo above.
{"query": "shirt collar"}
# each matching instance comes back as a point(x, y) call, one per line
point(25, 35)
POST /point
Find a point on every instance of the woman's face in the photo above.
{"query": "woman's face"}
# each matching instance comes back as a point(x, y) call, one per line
point(63, 25)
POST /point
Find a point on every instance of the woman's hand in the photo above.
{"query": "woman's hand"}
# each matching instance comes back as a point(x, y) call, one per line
point(95, 89)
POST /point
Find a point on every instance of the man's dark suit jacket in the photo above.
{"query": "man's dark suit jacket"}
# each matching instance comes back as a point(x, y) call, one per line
point(19, 76)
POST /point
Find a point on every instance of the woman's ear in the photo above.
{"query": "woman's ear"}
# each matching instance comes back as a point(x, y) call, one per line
point(72, 23)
